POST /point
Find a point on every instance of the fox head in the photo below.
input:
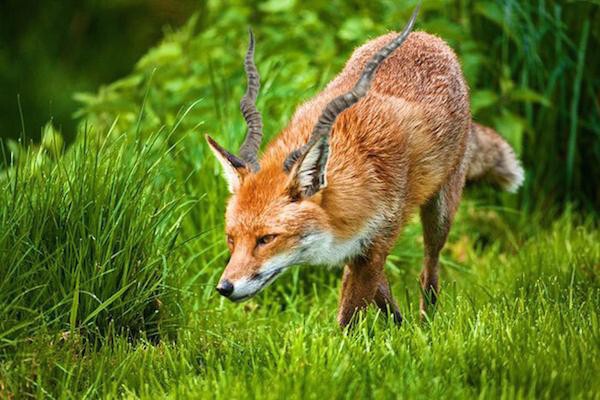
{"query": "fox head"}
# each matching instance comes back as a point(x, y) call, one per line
point(274, 217)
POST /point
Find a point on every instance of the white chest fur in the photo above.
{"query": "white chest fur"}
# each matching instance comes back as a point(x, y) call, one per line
point(323, 248)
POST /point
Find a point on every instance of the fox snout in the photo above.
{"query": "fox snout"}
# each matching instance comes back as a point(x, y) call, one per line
point(243, 279)
point(240, 281)
point(245, 287)
point(235, 284)
point(225, 288)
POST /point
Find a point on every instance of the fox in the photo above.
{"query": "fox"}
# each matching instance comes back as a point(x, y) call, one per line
point(390, 134)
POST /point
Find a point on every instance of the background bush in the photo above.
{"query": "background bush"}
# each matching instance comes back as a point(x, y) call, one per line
point(50, 49)
point(530, 65)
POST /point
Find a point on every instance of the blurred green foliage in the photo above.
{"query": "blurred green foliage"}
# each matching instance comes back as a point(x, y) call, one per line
point(530, 65)
point(51, 49)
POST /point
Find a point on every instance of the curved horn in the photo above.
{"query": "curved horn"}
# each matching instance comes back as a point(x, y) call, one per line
point(249, 149)
point(360, 89)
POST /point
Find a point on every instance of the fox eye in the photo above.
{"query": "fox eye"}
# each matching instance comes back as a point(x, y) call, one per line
point(266, 239)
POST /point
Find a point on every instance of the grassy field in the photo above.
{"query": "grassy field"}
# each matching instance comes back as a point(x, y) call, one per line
point(107, 293)
point(517, 318)
point(110, 248)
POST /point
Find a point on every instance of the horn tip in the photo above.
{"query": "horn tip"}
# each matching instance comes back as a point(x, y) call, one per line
point(209, 139)
point(417, 9)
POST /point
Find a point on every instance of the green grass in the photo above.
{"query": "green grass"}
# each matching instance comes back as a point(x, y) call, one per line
point(516, 320)
point(86, 238)
point(90, 239)
point(110, 249)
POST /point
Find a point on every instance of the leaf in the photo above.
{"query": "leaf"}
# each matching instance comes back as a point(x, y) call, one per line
point(131, 82)
point(482, 99)
point(276, 6)
point(356, 28)
point(492, 11)
point(162, 55)
point(472, 59)
point(52, 140)
point(452, 33)
point(75, 304)
point(14, 149)
point(106, 303)
point(502, 14)
point(84, 97)
point(527, 95)
point(512, 127)
point(506, 83)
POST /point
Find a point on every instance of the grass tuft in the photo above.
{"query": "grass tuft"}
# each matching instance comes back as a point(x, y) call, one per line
point(85, 239)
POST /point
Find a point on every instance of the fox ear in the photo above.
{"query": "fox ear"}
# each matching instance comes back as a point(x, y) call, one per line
point(234, 168)
point(308, 174)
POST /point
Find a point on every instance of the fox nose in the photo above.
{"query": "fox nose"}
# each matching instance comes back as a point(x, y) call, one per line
point(225, 288)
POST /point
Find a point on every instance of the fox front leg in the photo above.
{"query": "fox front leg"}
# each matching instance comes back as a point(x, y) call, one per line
point(363, 283)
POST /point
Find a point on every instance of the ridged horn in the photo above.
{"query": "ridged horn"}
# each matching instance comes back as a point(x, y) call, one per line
point(336, 106)
point(249, 149)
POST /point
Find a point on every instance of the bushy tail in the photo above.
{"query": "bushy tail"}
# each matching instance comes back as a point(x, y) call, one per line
point(493, 160)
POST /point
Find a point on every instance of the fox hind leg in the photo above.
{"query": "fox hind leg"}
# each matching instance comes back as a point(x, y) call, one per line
point(436, 217)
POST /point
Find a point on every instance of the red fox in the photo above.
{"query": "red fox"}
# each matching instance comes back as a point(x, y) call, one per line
point(390, 134)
